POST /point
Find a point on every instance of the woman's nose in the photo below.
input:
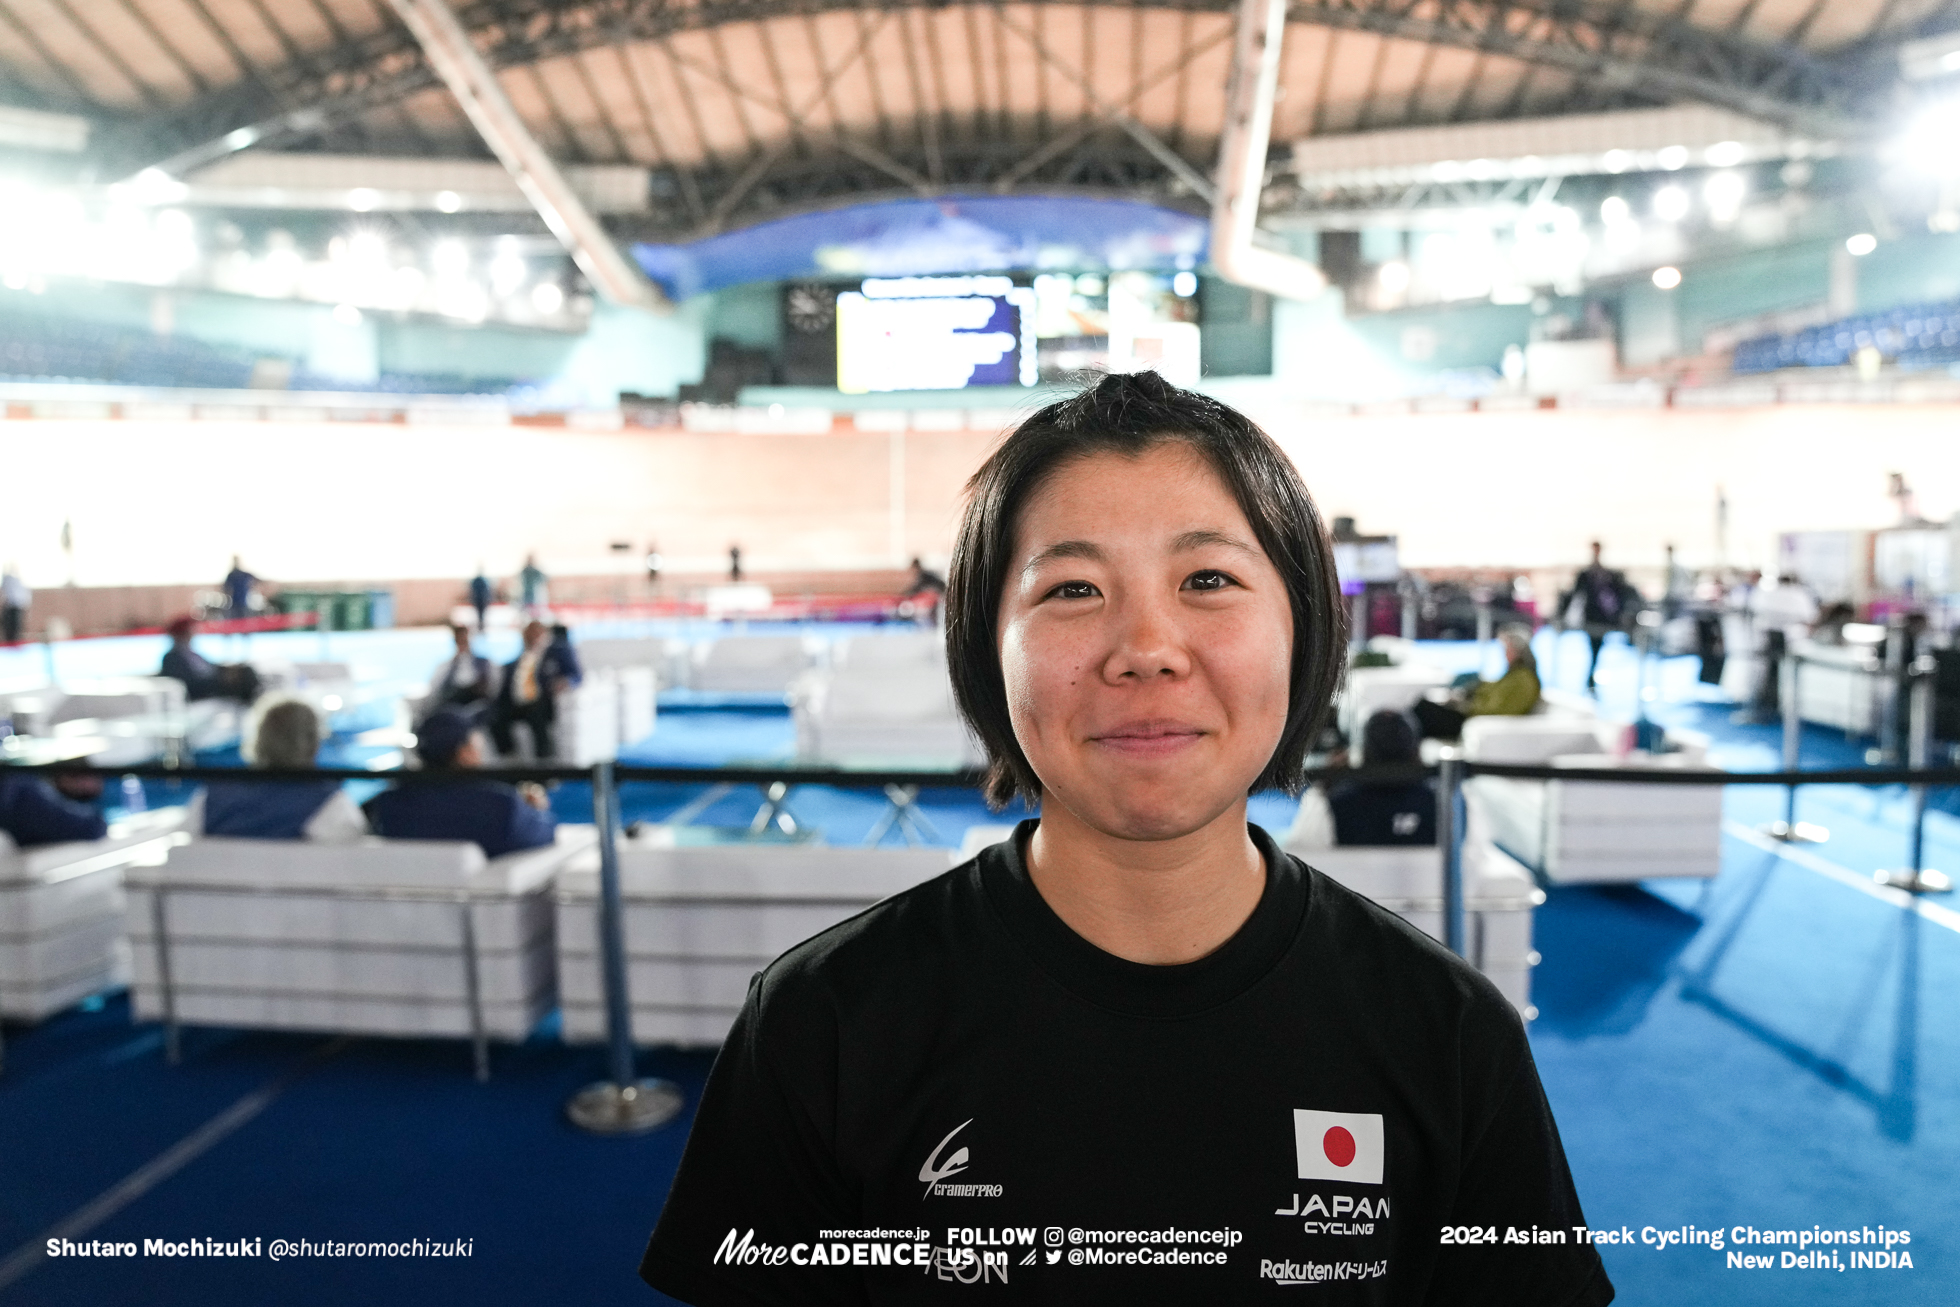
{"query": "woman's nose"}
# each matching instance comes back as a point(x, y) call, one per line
point(1148, 641)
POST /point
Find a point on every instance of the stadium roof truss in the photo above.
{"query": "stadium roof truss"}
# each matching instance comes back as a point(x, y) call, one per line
point(740, 109)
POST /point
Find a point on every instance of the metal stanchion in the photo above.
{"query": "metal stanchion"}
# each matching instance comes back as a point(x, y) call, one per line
point(1449, 841)
point(166, 988)
point(1409, 627)
point(473, 992)
point(1358, 619)
point(1916, 877)
point(1790, 830)
point(1484, 625)
point(625, 1104)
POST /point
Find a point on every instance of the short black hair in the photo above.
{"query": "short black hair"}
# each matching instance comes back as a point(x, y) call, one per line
point(1389, 737)
point(1130, 414)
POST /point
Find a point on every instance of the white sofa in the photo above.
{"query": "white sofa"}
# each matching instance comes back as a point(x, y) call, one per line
point(699, 922)
point(1592, 832)
point(884, 700)
point(138, 718)
point(666, 657)
point(1370, 690)
point(61, 914)
point(751, 664)
point(1840, 685)
point(365, 938)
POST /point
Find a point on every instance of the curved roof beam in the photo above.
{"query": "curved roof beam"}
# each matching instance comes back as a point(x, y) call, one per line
point(1613, 44)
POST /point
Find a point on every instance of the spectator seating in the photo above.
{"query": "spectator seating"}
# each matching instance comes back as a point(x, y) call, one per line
point(588, 725)
point(751, 664)
point(1591, 832)
point(1913, 336)
point(366, 938)
point(883, 700)
point(61, 914)
point(700, 921)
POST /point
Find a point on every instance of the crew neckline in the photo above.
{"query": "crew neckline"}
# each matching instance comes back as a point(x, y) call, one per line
point(1139, 988)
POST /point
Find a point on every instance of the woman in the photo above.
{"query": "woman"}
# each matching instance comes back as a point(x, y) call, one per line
point(1514, 694)
point(1136, 1054)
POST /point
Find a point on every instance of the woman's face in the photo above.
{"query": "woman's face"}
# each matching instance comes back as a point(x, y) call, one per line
point(1146, 643)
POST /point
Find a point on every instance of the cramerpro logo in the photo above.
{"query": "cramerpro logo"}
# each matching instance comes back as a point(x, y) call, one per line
point(934, 1170)
point(1338, 1145)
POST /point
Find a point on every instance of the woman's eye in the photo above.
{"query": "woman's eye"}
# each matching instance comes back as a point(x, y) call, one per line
point(1208, 580)
point(1073, 590)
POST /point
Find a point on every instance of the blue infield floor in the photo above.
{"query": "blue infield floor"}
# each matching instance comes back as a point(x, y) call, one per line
point(1775, 1049)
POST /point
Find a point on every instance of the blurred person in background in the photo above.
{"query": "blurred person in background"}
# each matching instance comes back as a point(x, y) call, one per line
point(498, 818)
point(735, 564)
point(33, 811)
point(529, 691)
point(15, 600)
point(1781, 613)
point(531, 582)
point(1511, 695)
point(238, 586)
point(1369, 813)
point(925, 590)
point(1600, 601)
point(480, 597)
point(464, 678)
point(202, 678)
point(286, 738)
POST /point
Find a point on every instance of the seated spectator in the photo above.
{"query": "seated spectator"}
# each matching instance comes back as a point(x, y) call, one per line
point(33, 811)
point(499, 818)
point(1365, 813)
point(287, 739)
point(529, 693)
point(1831, 623)
point(1513, 694)
point(466, 677)
point(202, 678)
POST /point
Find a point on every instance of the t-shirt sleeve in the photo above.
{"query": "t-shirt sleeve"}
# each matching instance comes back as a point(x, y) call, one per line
point(759, 1182)
point(1515, 1188)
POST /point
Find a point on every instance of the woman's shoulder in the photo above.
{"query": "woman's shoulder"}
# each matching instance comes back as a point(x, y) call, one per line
point(901, 940)
point(1385, 961)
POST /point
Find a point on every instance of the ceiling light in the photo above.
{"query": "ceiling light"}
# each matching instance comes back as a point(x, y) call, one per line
point(448, 201)
point(547, 298)
point(1667, 278)
point(1184, 285)
point(1927, 141)
point(1617, 160)
point(347, 315)
point(362, 198)
point(1724, 192)
point(1614, 210)
point(449, 258)
point(1861, 244)
point(1672, 157)
point(1671, 204)
point(1394, 276)
point(1725, 154)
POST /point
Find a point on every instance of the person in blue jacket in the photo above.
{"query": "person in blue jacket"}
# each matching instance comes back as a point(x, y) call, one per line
point(530, 688)
point(33, 812)
point(499, 818)
point(287, 739)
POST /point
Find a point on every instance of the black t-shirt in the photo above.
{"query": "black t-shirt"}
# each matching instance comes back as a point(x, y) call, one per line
point(953, 1094)
point(1376, 814)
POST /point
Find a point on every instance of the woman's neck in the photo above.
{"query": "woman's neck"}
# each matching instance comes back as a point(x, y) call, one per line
point(1159, 902)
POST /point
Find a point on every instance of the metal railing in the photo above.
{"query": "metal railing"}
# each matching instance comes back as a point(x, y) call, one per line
point(626, 1103)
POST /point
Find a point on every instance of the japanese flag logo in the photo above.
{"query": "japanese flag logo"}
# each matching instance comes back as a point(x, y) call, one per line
point(1338, 1145)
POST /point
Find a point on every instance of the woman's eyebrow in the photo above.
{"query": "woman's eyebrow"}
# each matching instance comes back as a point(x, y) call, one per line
point(1065, 549)
point(1201, 538)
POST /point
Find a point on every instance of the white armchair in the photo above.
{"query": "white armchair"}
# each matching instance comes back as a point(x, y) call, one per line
point(1592, 832)
point(378, 937)
point(751, 664)
point(61, 914)
point(892, 707)
point(699, 922)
